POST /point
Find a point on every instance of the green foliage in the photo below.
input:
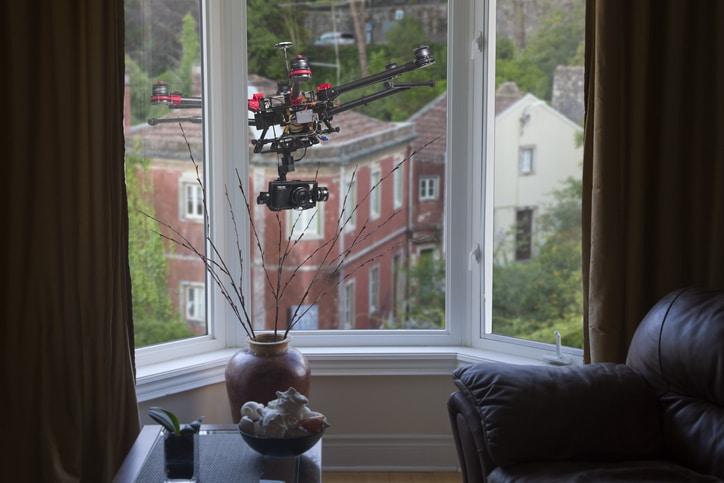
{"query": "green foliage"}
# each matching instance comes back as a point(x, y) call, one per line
point(533, 298)
point(179, 78)
point(155, 319)
point(557, 41)
point(427, 294)
point(268, 24)
point(190, 53)
point(170, 422)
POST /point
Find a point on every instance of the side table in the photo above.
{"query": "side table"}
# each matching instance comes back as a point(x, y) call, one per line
point(223, 457)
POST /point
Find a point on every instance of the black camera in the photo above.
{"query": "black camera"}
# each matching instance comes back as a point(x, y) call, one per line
point(295, 194)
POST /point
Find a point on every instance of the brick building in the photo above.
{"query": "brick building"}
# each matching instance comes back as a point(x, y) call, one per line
point(357, 274)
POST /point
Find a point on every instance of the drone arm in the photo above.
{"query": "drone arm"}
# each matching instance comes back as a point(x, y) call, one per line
point(177, 101)
point(161, 120)
point(392, 89)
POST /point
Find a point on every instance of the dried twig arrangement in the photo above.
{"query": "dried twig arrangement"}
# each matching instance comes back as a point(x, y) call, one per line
point(232, 290)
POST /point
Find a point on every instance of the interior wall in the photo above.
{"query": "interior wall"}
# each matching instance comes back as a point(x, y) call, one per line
point(378, 422)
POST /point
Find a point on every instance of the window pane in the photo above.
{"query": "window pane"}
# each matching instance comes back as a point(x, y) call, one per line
point(163, 43)
point(538, 162)
point(343, 41)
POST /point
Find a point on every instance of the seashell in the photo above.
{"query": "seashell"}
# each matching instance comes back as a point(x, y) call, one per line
point(252, 409)
point(315, 424)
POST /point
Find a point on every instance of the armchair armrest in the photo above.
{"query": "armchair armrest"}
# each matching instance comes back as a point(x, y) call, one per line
point(538, 413)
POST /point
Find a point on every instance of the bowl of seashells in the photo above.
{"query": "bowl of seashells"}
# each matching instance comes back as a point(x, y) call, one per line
point(284, 427)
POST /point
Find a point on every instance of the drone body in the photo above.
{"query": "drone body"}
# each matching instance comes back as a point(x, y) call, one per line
point(299, 119)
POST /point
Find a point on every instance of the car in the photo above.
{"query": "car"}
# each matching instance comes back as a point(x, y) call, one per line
point(331, 38)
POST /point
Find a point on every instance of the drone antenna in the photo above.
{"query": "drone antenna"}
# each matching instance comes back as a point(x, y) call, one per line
point(284, 46)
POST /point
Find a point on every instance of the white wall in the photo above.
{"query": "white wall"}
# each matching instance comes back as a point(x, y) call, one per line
point(378, 422)
point(556, 158)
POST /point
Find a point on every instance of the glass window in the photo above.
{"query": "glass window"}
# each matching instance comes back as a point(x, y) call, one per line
point(374, 289)
point(350, 213)
point(193, 201)
point(195, 301)
point(348, 310)
point(539, 77)
point(310, 318)
point(399, 187)
point(526, 160)
point(428, 188)
point(375, 194)
point(359, 228)
point(306, 224)
point(163, 43)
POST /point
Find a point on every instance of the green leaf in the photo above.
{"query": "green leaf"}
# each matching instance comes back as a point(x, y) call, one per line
point(165, 418)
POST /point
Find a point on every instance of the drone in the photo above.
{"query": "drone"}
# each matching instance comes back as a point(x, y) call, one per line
point(304, 118)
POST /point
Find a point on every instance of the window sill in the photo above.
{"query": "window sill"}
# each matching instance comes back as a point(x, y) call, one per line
point(158, 380)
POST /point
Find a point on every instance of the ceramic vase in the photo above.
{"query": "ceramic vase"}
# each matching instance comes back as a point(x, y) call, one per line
point(268, 365)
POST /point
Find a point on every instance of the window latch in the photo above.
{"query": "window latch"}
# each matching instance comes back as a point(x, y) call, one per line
point(478, 44)
point(559, 359)
point(474, 257)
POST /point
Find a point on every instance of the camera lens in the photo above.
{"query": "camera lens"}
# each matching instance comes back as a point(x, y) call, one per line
point(300, 197)
point(321, 194)
point(423, 56)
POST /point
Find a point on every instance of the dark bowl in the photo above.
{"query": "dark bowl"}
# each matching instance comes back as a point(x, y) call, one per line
point(281, 447)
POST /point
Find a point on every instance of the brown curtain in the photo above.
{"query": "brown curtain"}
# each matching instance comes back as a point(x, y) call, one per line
point(68, 394)
point(653, 176)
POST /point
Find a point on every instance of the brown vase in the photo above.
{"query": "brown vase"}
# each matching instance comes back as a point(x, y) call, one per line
point(268, 365)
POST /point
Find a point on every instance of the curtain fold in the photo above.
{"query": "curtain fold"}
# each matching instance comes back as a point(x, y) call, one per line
point(67, 343)
point(653, 171)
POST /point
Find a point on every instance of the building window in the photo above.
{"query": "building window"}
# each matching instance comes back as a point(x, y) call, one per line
point(195, 300)
point(398, 186)
point(349, 217)
point(306, 224)
point(193, 201)
point(348, 310)
point(523, 234)
point(526, 158)
point(307, 317)
point(376, 194)
point(428, 188)
point(374, 288)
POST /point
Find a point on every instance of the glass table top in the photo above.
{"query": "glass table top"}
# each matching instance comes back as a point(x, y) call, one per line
point(225, 457)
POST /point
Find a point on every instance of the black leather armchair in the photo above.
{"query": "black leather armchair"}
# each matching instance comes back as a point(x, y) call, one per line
point(659, 417)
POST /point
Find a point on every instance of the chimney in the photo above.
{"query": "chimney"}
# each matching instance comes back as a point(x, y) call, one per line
point(506, 95)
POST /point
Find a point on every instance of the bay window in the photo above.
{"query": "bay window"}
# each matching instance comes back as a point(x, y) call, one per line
point(362, 285)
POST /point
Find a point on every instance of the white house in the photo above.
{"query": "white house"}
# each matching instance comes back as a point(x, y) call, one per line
point(535, 151)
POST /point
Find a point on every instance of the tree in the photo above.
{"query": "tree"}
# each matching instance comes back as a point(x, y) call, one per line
point(190, 53)
point(154, 318)
point(533, 298)
point(426, 299)
point(557, 41)
point(357, 11)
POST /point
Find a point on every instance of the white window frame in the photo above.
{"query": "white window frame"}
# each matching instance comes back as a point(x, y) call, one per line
point(348, 207)
point(373, 290)
point(522, 169)
point(196, 288)
point(467, 214)
point(398, 186)
point(348, 307)
point(376, 194)
point(428, 188)
point(196, 199)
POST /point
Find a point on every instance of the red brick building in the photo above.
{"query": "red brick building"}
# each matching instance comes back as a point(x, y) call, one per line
point(357, 275)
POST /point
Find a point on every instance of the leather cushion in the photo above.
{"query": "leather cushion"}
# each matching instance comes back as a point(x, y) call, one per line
point(533, 413)
point(584, 472)
point(679, 346)
point(679, 349)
